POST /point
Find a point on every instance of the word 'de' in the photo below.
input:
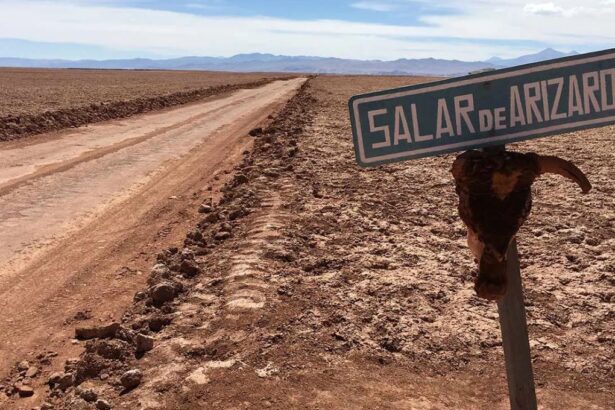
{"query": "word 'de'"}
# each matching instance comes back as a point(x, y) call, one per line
point(487, 109)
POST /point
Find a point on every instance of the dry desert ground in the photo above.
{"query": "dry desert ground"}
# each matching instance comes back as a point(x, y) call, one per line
point(228, 253)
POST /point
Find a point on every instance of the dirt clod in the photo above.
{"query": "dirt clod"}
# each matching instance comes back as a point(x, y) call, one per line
point(61, 381)
point(86, 394)
point(103, 405)
point(256, 132)
point(23, 366)
point(240, 179)
point(159, 272)
point(205, 209)
point(144, 343)
point(157, 323)
point(97, 332)
point(162, 293)
point(189, 268)
point(31, 372)
point(24, 390)
point(55, 378)
point(131, 379)
point(222, 235)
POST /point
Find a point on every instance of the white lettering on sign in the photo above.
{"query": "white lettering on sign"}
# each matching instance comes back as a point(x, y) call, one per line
point(444, 123)
point(484, 109)
point(415, 123)
point(401, 122)
point(604, 89)
point(575, 104)
point(384, 129)
point(590, 90)
point(534, 102)
point(545, 100)
point(463, 112)
point(532, 97)
point(517, 116)
point(500, 118)
point(485, 120)
point(559, 82)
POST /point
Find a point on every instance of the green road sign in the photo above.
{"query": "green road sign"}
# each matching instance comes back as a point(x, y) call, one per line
point(486, 109)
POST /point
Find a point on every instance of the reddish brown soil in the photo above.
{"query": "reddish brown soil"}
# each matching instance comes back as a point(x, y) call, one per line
point(342, 288)
point(33, 101)
point(32, 91)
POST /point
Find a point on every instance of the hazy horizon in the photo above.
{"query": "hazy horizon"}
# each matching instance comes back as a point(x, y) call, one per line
point(50, 56)
point(472, 30)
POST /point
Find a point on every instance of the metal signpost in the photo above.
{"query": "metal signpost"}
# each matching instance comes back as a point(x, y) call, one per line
point(489, 110)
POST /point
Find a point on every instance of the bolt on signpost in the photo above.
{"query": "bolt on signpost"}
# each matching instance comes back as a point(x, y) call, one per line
point(487, 111)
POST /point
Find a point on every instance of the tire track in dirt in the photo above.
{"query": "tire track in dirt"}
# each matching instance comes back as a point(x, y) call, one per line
point(245, 287)
point(214, 315)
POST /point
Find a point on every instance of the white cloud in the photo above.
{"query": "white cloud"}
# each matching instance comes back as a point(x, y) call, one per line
point(483, 30)
point(551, 9)
point(205, 5)
point(543, 8)
point(200, 6)
point(374, 6)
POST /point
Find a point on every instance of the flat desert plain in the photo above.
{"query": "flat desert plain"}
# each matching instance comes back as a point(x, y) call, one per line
point(32, 91)
point(33, 101)
point(294, 279)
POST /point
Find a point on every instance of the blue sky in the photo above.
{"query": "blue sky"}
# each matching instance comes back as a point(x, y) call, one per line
point(364, 29)
point(388, 12)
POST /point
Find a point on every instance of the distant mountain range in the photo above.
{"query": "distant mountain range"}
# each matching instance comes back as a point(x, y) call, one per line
point(271, 63)
point(547, 54)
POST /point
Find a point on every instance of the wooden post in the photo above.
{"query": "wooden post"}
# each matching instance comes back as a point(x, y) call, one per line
point(515, 341)
point(513, 324)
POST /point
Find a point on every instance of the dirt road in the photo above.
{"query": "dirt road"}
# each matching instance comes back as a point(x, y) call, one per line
point(79, 212)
